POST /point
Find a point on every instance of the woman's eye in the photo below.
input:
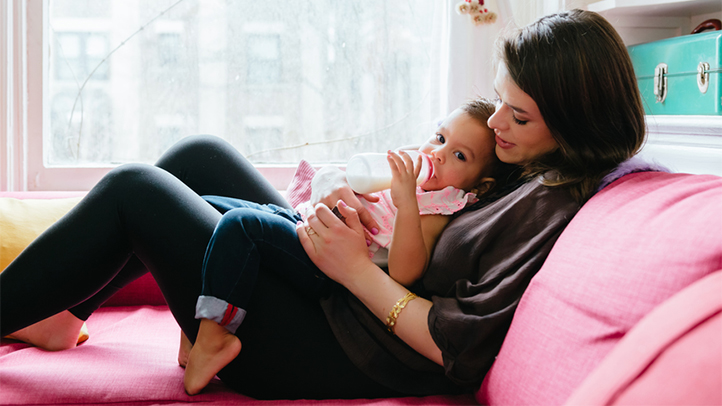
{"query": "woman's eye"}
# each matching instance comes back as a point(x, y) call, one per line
point(499, 103)
point(440, 138)
point(460, 156)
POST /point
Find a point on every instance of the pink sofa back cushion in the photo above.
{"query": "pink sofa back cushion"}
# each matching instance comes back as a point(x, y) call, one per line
point(681, 334)
point(632, 246)
point(143, 291)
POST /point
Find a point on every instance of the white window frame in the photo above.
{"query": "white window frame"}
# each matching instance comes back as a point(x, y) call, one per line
point(24, 118)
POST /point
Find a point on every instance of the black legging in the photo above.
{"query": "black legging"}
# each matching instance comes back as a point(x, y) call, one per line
point(143, 218)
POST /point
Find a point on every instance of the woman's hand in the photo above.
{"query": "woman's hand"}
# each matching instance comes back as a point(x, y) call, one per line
point(337, 249)
point(329, 186)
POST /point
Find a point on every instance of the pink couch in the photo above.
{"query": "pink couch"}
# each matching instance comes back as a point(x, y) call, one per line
point(626, 309)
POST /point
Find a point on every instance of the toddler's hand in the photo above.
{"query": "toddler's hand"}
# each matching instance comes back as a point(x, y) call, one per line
point(403, 181)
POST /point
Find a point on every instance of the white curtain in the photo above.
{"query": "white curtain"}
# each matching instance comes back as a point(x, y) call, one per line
point(463, 55)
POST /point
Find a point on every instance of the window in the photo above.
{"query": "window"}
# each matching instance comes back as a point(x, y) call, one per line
point(341, 77)
point(263, 59)
point(169, 50)
point(96, 83)
point(262, 134)
point(77, 54)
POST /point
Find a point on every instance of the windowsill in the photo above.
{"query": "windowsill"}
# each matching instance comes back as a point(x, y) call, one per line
point(81, 178)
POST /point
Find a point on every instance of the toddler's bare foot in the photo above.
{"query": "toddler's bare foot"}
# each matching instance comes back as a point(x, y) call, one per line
point(215, 347)
point(184, 350)
point(59, 332)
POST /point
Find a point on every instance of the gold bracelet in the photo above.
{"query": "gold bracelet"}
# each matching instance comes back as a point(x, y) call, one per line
point(396, 310)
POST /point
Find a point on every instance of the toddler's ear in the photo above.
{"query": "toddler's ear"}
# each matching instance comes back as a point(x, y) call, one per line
point(485, 185)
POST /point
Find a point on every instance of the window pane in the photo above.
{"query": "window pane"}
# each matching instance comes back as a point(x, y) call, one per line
point(317, 80)
point(265, 58)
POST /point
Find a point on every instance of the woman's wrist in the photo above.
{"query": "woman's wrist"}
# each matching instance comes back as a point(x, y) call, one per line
point(377, 290)
point(380, 293)
point(365, 279)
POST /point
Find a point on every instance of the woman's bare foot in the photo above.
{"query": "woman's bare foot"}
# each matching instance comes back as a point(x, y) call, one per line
point(184, 350)
point(59, 332)
point(215, 347)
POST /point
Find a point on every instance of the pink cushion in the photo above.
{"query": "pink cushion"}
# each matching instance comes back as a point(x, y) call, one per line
point(631, 247)
point(121, 367)
point(683, 334)
point(142, 291)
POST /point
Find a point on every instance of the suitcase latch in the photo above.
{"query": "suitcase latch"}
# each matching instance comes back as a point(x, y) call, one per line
point(703, 76)
point(660, 82)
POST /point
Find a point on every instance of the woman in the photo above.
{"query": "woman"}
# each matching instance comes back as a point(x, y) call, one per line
point(569, 112)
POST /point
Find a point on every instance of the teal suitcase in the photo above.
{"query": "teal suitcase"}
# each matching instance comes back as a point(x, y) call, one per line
point(680, 75)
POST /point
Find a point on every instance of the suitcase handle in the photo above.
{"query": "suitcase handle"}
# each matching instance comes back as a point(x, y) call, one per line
point(712, 23)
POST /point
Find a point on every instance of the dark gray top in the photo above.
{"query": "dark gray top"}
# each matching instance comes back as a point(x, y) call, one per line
point(481, 265)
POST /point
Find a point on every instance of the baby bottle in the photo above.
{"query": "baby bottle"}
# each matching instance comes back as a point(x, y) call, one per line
point(370, 172)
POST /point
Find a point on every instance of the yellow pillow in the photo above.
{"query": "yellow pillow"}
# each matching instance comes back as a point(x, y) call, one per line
point(22, 220)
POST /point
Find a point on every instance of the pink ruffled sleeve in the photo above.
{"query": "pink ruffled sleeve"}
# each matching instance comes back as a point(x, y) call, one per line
point(445, 201)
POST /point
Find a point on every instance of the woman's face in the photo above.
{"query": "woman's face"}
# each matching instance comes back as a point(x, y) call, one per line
point(522, 136)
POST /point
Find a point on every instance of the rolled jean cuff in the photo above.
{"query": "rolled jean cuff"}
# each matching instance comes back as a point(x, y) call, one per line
point(220, 311)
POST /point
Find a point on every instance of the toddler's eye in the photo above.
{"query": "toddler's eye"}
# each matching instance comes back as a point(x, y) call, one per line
point(440, 138)
point(460, 156)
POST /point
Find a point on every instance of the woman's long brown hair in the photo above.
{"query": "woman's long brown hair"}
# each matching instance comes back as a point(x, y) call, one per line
point(577, 69)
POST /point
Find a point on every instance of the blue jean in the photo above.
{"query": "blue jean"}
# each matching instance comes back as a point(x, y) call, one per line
point(248, 236)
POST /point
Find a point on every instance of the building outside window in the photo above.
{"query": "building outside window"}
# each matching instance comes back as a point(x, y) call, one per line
point(77, 54)
point(341, 77)
point(264, 59)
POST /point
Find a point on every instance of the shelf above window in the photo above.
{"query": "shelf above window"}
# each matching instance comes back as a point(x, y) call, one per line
point(639, 21)
point(656, 8)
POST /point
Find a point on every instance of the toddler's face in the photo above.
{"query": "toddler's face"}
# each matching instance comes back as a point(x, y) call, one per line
point(461, 150)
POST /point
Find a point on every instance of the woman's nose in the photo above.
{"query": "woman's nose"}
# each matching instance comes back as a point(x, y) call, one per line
point(494, 122)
